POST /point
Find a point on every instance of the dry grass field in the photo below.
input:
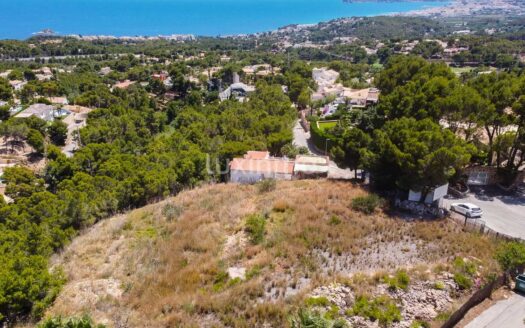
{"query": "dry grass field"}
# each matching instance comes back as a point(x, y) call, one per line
point(191, 261)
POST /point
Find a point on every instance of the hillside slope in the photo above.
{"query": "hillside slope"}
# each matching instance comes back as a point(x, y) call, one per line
point(192, 261)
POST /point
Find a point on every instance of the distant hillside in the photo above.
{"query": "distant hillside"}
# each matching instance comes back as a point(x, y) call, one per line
point(250, 256)
point(380, 28)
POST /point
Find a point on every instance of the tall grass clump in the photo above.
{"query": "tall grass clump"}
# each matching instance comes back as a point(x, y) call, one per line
point(306, 318)
point(366, 204)
point(399, 281)
point(383, 309)
point(255, 226)
point(171, 211)
point(266, 185)
point(58, 322)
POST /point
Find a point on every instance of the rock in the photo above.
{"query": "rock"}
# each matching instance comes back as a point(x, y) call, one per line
point(237, 272)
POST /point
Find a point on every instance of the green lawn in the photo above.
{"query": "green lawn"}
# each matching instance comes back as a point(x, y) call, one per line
point(461, 70)
point(326, 125)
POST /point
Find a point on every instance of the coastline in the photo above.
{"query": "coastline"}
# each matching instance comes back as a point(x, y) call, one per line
point(449, 8)
point(210, 18)
point(457, 8)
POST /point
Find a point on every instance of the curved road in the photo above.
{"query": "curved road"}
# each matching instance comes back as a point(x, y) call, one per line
point(509, 313)
point(301, 138)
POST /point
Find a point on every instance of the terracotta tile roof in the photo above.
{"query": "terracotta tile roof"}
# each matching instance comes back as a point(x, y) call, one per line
point(257, 155)
point(262, 165)
point(124, 84)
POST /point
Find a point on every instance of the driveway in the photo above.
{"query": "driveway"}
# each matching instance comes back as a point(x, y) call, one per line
point(509, 313)
point(301, 138)
point(502, 212)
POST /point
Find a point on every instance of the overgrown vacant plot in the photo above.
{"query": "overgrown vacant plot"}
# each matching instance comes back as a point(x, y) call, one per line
point(242, 256)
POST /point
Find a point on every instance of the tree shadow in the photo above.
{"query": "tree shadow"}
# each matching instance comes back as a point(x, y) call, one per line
point(489, 193)
point(34, 158)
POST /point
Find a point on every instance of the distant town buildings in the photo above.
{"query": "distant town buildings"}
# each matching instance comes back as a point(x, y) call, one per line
point(173, 37)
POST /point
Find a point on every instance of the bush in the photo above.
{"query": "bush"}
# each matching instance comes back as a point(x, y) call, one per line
point(399, 281)
point(317, 301)
point(308, 319)
point(439, 285)
point(253, 272)
point(255, 227)
point(420, 324)
point(510, 255)
point(466, 267)
point(334, 220)
point(58, 322)
point(220, 280)
point(266, 185)
point(366, 204)
point(171, 211)
point(443, 316)
point(383, 309)
point(462, 281)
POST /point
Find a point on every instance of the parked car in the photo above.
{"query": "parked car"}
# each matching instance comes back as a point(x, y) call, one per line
point(467, 209)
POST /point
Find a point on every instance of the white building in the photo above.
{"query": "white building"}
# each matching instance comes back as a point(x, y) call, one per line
point(308, 166)
point(237, 90)
point(42, 111)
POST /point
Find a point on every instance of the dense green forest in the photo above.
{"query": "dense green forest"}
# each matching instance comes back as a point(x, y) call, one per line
point(134, 153)
point(400, 141)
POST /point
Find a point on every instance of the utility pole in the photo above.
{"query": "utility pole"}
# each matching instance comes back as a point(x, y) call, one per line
point(326, 147)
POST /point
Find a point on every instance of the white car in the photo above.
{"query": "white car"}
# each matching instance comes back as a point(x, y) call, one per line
point(468, 209)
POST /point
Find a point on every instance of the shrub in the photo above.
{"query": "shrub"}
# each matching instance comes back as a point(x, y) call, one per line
point(465, 267)
point(383, 309)
point(462, 281)
point(420, 324)
point(255, 227)
point(439, 285)
point(220, 280)
point(366, 204)
point(332, 313)
point(443, 316)
point(317, 301)
point(171, 211)
point(334, 220)
point(253, 272)
point(58, 322)
point(399, 281)
point(510, 255)
point(266, 185)
point(308, 319)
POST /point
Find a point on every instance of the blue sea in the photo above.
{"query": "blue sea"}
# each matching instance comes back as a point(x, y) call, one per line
point(20, 18)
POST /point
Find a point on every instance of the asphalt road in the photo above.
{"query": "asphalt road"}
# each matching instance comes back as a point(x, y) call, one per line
point(302, 139)
point(509, 313)
point(502, 213)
